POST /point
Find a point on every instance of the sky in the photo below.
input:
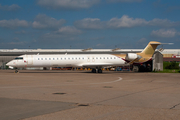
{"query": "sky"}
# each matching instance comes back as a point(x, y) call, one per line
point(82, 24)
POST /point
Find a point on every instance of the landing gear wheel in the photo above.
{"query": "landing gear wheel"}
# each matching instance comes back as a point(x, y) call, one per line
point(99, 71)
point(93, 70)
point(16, 71)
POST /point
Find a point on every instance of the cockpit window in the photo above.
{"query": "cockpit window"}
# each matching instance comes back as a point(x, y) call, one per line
point(19, 58)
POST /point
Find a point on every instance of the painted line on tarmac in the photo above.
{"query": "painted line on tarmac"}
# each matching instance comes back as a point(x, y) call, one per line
point(63, 84)
point(108, 82)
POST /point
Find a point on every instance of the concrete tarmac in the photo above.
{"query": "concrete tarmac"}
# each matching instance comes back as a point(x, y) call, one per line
point(82, 95)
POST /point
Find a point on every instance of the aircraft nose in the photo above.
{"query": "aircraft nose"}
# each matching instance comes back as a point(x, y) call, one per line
point(9, 64)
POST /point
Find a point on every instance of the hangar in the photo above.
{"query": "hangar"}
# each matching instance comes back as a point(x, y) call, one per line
point(160, 55)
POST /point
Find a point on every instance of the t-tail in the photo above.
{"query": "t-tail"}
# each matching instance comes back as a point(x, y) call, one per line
point(145, 55)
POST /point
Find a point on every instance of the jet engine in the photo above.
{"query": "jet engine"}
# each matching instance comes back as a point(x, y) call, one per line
point(131, 56)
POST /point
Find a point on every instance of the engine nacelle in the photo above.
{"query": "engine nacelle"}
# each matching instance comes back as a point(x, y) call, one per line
point(131, 56)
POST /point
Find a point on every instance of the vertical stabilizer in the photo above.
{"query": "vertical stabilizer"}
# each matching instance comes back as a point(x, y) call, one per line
point(150, 48)
point(148, 52)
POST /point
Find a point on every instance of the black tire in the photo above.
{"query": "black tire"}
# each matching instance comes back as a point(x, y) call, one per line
point(99, 71)
point(93, 70)
point(16, 71)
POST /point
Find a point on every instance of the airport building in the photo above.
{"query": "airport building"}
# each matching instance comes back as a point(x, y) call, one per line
point(160, 55)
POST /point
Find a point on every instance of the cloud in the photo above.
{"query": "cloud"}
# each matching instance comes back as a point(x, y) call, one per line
point(16, 43)
point(43, 21)
point(69, 31)
point(20, 32)
point(142, 40)
point(13, 23)
point(159, 4)
point(57, 37)
point(100, 46)
point(172, 8)
point(16, 38)
point(127, 1)
point(126, 22)
point(89, 23)
point(67, 4)
point(164, 33)
point(12, 7)
point(64, 33)
point(123, 22)
point(163, 23)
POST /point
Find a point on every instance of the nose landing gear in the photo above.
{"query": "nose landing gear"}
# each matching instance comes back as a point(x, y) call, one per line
point(16, 71)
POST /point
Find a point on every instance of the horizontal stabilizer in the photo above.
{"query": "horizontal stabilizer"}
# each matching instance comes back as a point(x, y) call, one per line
point(168, 43)
point(161, 43)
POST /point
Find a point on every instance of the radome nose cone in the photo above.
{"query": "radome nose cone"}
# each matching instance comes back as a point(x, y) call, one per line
point(8, 64)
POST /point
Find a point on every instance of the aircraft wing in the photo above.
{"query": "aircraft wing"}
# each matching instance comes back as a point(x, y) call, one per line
point(96, 65)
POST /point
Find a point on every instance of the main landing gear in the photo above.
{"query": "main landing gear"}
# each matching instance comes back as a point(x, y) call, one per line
point(98, 70)
point(93, 70)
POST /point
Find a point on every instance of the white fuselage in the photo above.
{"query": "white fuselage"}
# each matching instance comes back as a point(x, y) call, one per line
point(67, 60)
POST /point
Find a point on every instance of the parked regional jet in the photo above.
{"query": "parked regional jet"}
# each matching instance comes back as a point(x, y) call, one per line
point(94, 61)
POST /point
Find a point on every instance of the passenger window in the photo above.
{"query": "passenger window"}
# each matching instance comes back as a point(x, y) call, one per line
point(49, 58)
point(41, 58)
point(45, 58)
point(38, 59)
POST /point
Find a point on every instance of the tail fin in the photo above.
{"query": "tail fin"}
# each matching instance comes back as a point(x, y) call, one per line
point(148, 52)
point(150, 48)
point(143, 56)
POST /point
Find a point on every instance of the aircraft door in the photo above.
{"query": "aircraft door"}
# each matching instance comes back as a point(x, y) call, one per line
point(25, 59)
point(30, 59)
